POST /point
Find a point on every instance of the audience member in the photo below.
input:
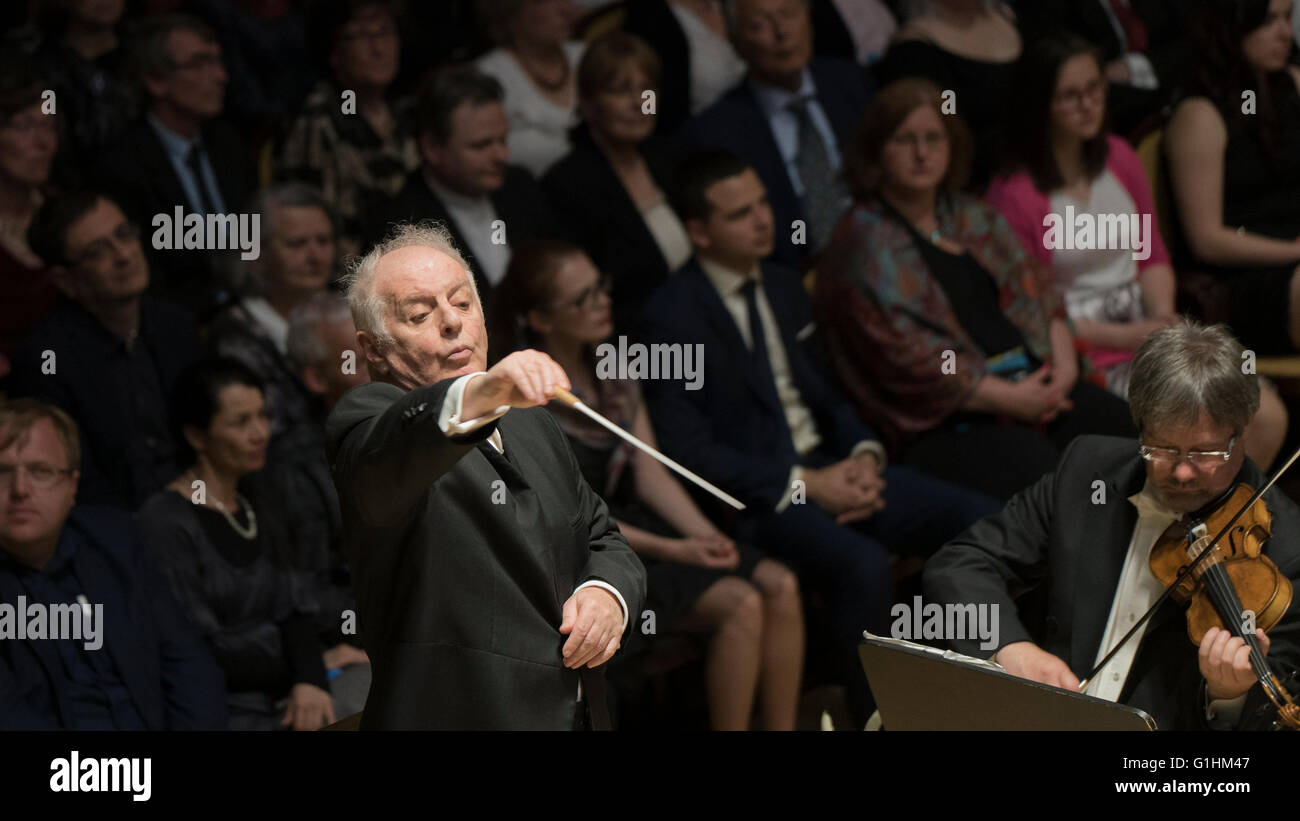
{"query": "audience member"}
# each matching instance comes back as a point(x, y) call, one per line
point(107, 353)
point(466, 180)
point(353, 141)
point(969, 49)
point(535, 62)
point(1119, 288)
point(788, 119)
point(698, 580)
point(28, 140)
point(135, 662)
point(180, 156)
point(608, 193)
point(1142, 48)
point(1233, 147)
point(225, 555)
point(767, 423)
point(943, 329)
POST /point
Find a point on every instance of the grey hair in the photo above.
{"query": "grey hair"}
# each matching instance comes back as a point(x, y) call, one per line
point(265, 201)
point(149, 55)
point(729, 13)
point(367, 306)
point(322, 309)
point(1181, 371)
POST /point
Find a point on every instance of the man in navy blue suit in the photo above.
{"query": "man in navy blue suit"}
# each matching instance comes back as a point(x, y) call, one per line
point(788, 118)
point(768, 424)
point(91, 637)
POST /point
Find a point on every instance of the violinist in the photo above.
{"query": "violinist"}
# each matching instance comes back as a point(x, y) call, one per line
point(1067, 562)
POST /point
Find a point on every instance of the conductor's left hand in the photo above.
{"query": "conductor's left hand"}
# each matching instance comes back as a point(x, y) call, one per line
point(593, 621)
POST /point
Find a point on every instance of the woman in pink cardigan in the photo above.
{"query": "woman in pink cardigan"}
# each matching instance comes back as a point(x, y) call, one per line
point(1080, 201)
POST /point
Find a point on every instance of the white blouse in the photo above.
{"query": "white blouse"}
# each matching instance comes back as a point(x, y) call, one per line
point(539, 129)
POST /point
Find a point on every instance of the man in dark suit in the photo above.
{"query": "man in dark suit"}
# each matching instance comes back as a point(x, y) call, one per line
point(491, 581)
point(1080, 539)
point(180, 155)
point(1144, 48)
point(134, 662)
point(768, 424)
point(109, 353)
point(466, 180)
point(789, 118)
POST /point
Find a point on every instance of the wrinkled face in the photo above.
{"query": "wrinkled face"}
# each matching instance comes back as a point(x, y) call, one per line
point(196, 82)
point(433, 316)
point(368, 49)
point(580, 306)
point(1079, 103)
point(615, 110)
point(915, 157)
point(28, 141)
point(33, 503)
point(739, 226)
point(1267, 47)
point(339, 338)
point(236, 439)
point(300, 256)
point(104, 256)
point(773, 36)
point(473, 160)
point(1183, 486)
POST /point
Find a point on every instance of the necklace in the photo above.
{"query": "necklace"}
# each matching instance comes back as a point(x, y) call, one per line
point(547, 84)
point(248, 532)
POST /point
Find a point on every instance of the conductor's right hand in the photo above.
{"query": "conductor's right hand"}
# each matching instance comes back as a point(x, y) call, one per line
point(1028, 660)
point(524, 379)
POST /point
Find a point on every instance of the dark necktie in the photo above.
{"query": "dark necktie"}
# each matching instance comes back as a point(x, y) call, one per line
point(761, 362)
point(207, 204)
point(824, 192)
point(1134, 31)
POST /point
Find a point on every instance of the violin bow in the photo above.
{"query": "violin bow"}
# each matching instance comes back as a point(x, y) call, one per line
point(577, 404)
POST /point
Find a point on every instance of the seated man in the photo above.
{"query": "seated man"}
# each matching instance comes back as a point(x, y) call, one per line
point(110, 353)
point(767, 423)
point(134, 661)
point(1081, 537)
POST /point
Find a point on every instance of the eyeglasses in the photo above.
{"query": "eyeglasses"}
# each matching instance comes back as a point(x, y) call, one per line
point(1094, 92)
point(199, 62)
point(931, 139)
point(1206, 459)
point(41, 475)
point(588, 298)
point(356, 35)
point(96, 252)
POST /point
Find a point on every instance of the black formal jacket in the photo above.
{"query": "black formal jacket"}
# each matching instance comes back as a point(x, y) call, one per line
point(737, 122)
point(1051, 539)
point(137, 173)
point(88, 383)
point(732, 430)
point(595, 211)
point(173, 680)
point(519, 203)
point(460, 598)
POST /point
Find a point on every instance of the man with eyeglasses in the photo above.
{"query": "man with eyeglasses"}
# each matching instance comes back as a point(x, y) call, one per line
point(180, 154)
point(147, 668)
point(1066, 562)
point(107, 353)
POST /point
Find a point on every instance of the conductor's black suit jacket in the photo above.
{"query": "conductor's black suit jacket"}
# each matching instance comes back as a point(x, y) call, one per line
point(1064, 540)
point(462, 561)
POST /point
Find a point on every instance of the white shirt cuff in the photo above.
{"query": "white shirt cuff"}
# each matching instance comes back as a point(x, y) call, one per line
point(1222, 713)
point(873, 447)
point(1141, 74)
point(610, 588)
point(449, 421)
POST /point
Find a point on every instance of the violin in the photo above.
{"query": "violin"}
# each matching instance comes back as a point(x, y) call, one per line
point(1228, 582)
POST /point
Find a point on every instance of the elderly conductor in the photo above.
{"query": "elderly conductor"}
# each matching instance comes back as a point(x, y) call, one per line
point(491, 582)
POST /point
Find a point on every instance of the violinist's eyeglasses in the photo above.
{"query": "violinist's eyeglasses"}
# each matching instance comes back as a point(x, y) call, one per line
point(1166, 457)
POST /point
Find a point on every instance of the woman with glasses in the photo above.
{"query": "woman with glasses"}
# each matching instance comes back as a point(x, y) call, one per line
point(1063, 162)
point(609, 191)
point(1233, 147)
point(699, 581)
point(947, 335)
point(226, 556)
